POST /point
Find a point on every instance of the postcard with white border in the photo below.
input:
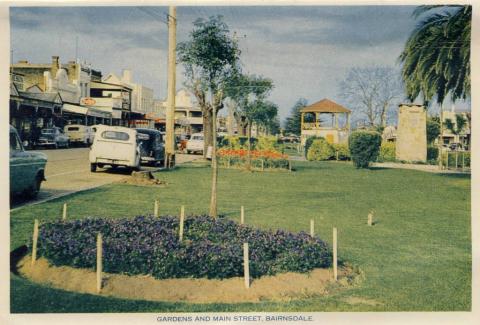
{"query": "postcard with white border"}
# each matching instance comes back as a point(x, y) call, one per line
point(209, 162)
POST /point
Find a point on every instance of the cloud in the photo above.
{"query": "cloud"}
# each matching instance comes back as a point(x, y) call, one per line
point(305, 50)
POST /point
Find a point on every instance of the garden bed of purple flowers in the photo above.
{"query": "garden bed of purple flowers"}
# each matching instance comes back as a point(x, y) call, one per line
point(211, 248)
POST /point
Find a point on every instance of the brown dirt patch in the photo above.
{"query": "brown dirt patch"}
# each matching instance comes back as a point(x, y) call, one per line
point(281, 287)
point(142, 179)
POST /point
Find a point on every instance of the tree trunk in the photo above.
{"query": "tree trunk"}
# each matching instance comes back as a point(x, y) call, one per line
point(217, 101)
point(213, 197)
point(207, 131)
point(440, 140)
point(249, 139)
point(383, 116)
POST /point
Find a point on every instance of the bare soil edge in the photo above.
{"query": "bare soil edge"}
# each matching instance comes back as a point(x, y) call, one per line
point(281, 287)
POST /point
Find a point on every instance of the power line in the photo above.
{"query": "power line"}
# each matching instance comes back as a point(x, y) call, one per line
point(154, 14)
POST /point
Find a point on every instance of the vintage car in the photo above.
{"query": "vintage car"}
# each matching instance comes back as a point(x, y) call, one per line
point(152, 150)
point(79, 134)
point(53, 137)
point(195, 144)
point(27, 168)
point(116, 146)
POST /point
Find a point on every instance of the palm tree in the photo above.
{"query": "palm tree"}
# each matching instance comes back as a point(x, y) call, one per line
point(436, 58)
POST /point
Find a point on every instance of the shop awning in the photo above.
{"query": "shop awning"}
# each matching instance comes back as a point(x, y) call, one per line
point(87, 111)
point(75, 109)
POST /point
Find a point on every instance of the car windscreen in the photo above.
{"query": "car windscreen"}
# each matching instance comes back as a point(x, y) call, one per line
point(48, 131)
point(115, 135)
point(73, 128)
point(14, 143)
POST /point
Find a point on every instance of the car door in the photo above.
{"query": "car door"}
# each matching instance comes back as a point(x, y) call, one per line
point(22, 174)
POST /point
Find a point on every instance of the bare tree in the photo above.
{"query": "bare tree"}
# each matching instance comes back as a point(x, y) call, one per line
point(371, 92)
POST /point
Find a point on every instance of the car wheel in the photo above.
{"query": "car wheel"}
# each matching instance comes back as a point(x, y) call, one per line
point(101, 165)
point(93, 168)
point(33, 191)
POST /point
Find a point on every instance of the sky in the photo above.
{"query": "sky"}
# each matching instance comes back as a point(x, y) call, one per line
point(305, 50)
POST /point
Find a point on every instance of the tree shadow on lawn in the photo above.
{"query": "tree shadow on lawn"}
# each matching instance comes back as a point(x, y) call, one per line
point(15, 256)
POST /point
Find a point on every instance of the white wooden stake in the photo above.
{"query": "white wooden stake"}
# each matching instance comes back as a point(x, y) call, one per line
point(64, 215)
point(370, 218)
point(99, 262)
point(182, 219)
point(456, 159)
point(289, 166)
point(242, 215)
point(35, 240)
point(262, 165)
point(246, 267)
point(155, 209)
point(312, 227)
point(335, 275)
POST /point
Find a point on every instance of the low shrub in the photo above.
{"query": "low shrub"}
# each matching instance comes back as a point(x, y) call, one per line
point(387, 152)
point(267, 143)
point(364, 147)
point(432, 154)
point(270, 158)
point(237, 142)
point(211, 248)
point(341, 151)
point(320, 150)
point(308, 143)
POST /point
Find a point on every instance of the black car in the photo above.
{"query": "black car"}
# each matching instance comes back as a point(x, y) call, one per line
point(152, 150)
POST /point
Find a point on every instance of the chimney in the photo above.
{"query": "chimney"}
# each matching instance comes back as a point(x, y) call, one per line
point(55, 65)
point(127, 76)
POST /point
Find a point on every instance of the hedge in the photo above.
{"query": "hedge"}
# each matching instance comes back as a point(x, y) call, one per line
point(432, 154)
point(211, 248)
point(387, 152)
point(364, 147)
point(320, 150)
point(341, 151)
point(308, 143)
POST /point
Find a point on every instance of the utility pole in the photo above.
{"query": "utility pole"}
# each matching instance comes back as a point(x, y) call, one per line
point(170, 122)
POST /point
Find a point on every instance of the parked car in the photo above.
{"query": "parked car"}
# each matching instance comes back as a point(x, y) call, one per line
point(27, 168)
point(53, 137)
point(116, 146)
point(79, 134)
point(195, 144)
point(152, 150)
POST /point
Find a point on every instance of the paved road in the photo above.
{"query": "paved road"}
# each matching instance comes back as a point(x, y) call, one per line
point(68, 171)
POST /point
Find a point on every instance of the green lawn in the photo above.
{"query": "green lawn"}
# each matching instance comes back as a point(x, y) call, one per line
point(416, 258)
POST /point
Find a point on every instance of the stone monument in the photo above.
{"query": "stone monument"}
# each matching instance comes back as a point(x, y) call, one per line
point(411, 133)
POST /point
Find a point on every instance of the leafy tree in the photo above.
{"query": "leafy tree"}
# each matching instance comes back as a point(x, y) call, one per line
point(249, 92)
point(264, 114)
point(457, 126)
point(293, 122)
point(209, 58)
point(433, 128)
point(371, 92)
point(436, 57)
